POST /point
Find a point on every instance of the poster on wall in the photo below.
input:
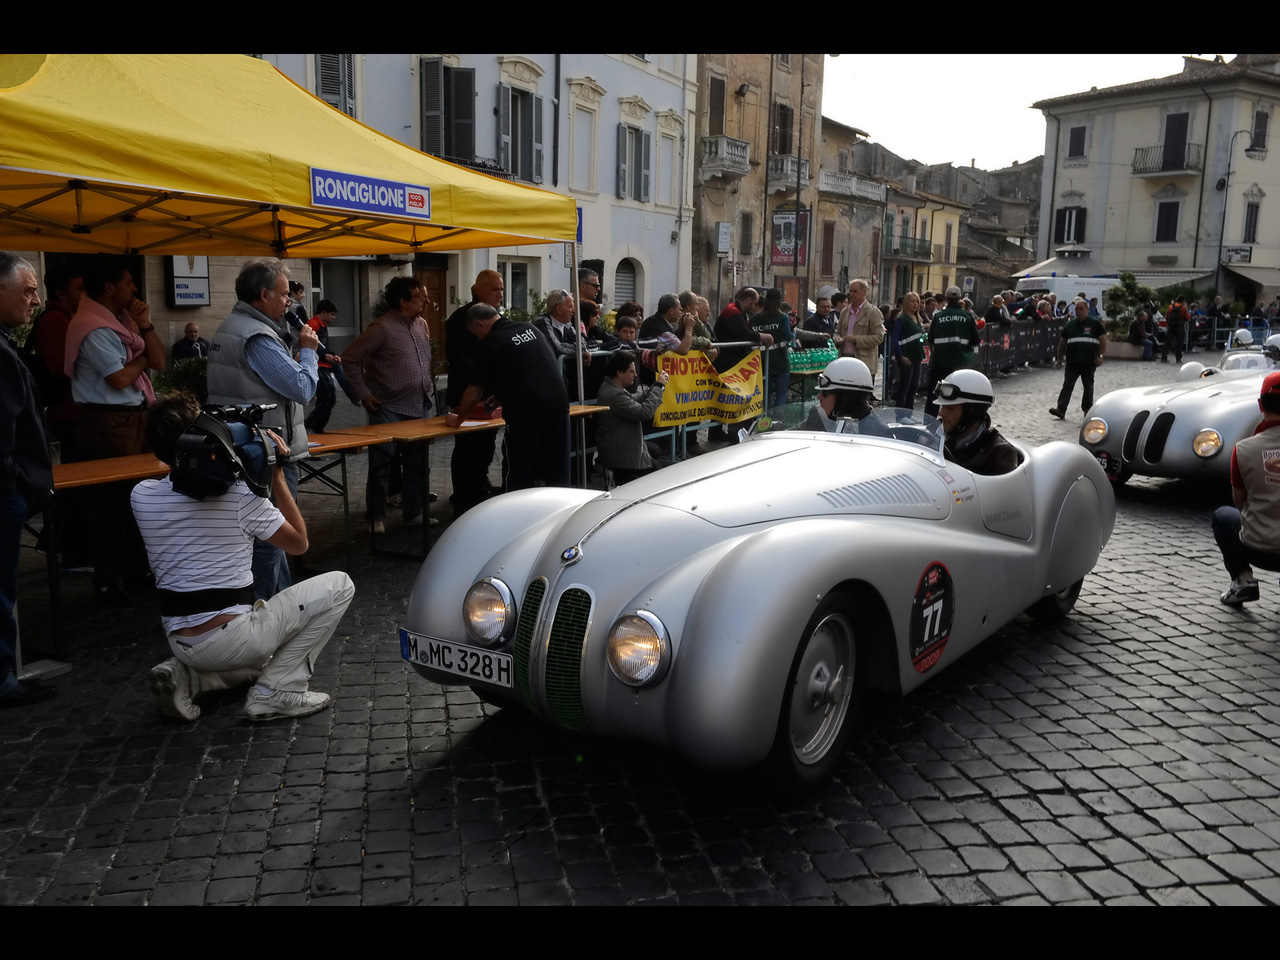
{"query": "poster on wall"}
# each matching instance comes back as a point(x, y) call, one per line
point(787, 233)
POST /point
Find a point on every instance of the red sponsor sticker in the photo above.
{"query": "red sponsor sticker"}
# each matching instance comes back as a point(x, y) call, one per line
point(417, 200)
point(932, 613)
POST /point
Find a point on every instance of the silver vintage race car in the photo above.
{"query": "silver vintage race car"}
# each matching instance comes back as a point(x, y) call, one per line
point(737, 605)
point(1186, 429)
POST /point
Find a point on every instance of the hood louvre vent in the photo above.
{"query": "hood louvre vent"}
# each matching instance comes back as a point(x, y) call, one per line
point(898, 490)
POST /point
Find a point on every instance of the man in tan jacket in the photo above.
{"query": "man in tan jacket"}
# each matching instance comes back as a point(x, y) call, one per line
point(861, 328)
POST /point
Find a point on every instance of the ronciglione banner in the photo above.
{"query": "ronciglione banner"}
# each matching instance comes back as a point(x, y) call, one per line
point(696, 392)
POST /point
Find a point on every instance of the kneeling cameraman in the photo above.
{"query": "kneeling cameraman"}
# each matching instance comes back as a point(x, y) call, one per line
point(199, 524)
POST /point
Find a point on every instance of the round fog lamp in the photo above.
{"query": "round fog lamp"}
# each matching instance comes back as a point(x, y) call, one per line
point(1207, 443)
point(1094, 431)
point(487, 610)
point(638, 651)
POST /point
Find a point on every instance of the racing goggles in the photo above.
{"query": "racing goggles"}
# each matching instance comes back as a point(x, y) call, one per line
point(949, 391)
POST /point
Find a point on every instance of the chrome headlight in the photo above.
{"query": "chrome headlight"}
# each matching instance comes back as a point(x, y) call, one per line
point(1094, 430)
point(638, 651)
point(488, 611)
point(1207, 443)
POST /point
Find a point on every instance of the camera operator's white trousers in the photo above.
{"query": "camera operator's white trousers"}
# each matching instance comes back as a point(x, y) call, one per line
point(275, 643)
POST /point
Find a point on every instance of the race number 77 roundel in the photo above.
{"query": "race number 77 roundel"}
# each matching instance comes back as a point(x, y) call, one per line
point(932, 612)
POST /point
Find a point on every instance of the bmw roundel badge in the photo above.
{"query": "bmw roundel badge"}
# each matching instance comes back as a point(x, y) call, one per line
point(571, 554)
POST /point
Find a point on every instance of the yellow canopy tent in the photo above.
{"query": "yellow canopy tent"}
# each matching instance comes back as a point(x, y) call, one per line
point(219, 155)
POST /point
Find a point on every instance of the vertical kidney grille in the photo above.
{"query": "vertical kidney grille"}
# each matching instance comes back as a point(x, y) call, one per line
point(524, 635)
point(564, 658)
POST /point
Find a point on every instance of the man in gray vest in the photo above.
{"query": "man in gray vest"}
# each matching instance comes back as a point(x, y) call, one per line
point(249, 362)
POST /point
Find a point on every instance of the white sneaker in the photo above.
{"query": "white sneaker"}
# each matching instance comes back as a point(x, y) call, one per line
point(284, 703)
point(171, 685)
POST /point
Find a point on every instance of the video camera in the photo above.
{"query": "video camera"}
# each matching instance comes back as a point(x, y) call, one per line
point(223, 444)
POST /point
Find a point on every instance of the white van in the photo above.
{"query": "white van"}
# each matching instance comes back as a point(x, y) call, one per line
point(1068, 287)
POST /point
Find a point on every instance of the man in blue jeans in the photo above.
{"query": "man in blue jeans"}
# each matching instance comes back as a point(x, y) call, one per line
point(389, 366)
point(1248, 534)
point(26, 475)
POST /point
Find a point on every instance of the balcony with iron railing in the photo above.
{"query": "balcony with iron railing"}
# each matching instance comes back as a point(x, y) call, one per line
point(781, 173)
point(725, 157)
point(1165, 161)
point(908, 248)
point(848, 185)
point(944, 253)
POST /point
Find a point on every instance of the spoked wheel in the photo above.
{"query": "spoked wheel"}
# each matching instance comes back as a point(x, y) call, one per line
point(1056, 605)
point(822, 696)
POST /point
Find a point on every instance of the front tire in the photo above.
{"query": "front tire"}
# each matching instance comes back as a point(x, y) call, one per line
point(1056, 605)
point(824, 690)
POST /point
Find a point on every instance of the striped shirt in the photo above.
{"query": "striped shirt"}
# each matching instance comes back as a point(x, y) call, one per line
point(201, 544)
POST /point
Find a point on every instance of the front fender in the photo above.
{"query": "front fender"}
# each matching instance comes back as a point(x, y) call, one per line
point(515, 525)
point(741, 632)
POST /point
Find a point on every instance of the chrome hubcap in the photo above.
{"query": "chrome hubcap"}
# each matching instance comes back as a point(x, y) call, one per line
point(824, 689)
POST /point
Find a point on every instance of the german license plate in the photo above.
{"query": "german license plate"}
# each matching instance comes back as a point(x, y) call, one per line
point(1110, 465)
point(460, 659)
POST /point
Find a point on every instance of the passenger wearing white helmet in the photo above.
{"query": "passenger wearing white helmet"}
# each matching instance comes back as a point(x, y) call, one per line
point(963, 399)
point(844, 394)
point(1272, 349)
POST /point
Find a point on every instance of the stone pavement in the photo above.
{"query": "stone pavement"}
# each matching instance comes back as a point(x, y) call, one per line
point(1126, 755)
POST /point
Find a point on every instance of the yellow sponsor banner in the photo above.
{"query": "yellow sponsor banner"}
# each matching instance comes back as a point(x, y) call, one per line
point(696, 392)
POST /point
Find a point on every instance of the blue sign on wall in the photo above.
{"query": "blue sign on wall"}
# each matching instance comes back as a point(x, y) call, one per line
point(350, 191)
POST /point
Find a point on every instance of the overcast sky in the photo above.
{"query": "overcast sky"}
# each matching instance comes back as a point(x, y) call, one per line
point(956, 108)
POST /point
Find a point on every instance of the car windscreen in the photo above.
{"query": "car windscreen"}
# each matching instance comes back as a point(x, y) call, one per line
point(883, 423)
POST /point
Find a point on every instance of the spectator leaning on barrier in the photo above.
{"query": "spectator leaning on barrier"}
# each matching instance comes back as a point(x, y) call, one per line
point(620, 443)
point(557, 323)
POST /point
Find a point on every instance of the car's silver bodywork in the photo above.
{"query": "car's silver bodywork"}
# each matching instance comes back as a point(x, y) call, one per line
point(1151, 431)
point(735, 550)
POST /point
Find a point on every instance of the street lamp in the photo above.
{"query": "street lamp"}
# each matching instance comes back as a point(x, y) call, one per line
point(1253, 153)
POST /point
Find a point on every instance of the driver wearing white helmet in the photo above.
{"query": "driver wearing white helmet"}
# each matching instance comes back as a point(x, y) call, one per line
point(963, 398)
point(844, 394)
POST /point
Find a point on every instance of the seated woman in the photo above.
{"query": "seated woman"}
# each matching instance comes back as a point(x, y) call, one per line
point(963, 399)
point(620, 443)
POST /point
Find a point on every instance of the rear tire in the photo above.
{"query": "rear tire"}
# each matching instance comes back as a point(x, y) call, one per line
point(1056, 605)
point(824, 690)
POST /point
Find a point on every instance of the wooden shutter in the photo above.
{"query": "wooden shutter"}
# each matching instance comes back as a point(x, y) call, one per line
point(828, 248)
point(1060, 226)
point(460, 89)
point(622, 161)
point(646, 166)
point(1078, 236)
point(504, 127)
point(715, 107)
point(431, 86)
point(537, 138)
point(333, 81)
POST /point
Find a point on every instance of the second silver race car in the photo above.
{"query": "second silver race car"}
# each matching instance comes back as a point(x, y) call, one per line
point(1186, 429)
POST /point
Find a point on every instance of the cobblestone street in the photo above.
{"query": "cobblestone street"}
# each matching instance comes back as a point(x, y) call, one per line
point(1129, 754)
